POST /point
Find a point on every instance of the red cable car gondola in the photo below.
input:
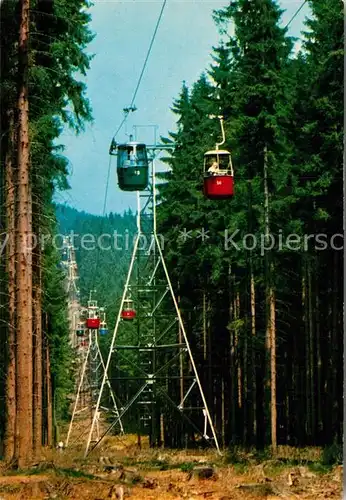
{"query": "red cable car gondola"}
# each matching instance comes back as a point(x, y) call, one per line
point(128, 312)
point(93, 320)
point(218, 175)
point(93, 323)
point(218, 172)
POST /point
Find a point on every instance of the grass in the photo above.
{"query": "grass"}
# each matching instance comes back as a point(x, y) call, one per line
point(156, 464)
point(75, 473)
point(11, 488)
point(317, 460)
point(240, 468)
point(318, 468)
point(186, 466)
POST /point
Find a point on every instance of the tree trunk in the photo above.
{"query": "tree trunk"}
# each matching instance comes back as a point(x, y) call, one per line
point(238, 359)
point(245, 386)
point(239, 371)
point(307, 353)
point(232, 367)
point(37, 354)
point(49, 400)
point(181, 360)
point(252, 374)
point(209, 352)
point(273, 370)
point(223, 416)
point(23, 257)
point(204, 312)
point(319, 364)
point(311, 355)
point(10, 402)
point(267, 299)
point(253, 356)
point(336, 357)
point(270, 314)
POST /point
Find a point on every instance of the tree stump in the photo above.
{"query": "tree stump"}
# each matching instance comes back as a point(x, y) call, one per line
point(202, 472)
point(130, 476)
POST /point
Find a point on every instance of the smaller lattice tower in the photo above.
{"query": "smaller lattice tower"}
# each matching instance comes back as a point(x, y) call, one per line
point(90, 371)
point(71, 278)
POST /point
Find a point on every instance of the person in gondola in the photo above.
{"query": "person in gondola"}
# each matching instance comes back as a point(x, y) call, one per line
point(214, 168)
point(133, 158)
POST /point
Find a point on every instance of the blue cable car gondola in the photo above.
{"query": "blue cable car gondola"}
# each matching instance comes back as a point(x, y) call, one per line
point(103, 330)
point(132, 166)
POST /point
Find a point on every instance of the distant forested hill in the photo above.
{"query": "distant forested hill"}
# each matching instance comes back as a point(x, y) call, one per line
point(103, 250)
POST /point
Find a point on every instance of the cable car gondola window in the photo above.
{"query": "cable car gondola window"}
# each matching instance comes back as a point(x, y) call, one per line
point(224, 162)
point(123, 157)
point(142, 154)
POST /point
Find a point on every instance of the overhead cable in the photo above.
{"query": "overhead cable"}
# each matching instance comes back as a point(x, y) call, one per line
point(295, 14)
point(131, 107)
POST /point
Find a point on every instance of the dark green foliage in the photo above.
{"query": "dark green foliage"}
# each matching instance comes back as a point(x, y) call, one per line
point(103, 250)
point(57, 331)
point(59, 35)
point(285, 113)
point(332, 454)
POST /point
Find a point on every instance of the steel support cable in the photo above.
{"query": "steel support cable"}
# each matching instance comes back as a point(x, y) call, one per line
point(295, 14)
point(143, 69)
point(149, 51)
point(125, 118)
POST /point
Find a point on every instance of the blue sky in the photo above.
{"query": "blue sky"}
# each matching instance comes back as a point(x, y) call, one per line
point(181, 51)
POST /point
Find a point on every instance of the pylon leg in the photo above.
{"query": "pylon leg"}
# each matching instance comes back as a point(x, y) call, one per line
point(110, 388)
point(188, 347)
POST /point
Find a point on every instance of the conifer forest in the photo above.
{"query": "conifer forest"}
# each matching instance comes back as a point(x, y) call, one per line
point(257, 276)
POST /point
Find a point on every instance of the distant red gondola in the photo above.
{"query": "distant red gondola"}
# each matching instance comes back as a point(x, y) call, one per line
point(128, 312)
point(93, 320)
point(93, 323)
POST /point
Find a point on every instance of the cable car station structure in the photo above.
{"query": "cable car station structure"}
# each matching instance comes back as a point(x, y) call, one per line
point(153, 370)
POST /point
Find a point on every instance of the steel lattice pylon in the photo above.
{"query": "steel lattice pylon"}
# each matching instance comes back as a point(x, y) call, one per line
point(90, 369)
point(71, 277)
point(161, 379)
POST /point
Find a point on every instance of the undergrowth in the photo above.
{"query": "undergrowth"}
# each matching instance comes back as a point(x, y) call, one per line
point(320, 463)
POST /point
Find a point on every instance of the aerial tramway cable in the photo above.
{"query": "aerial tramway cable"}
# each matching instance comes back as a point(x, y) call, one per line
point(295, 14)
point(132, 107)
point(126, 113)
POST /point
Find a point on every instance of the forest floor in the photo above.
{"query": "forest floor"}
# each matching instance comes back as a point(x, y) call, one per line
point(120, 470)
